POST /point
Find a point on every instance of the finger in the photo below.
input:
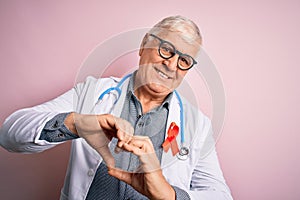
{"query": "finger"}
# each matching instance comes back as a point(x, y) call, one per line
point(142, 138)
point(143, 143)
point(123, 136)
point(149, 161)
point(120, 144)
point(121, 175)
point(118, 149)
point(124, 128)
point(133, 149)
point(107, 122)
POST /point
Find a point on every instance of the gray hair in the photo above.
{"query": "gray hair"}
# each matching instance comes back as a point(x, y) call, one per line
point(179, 24)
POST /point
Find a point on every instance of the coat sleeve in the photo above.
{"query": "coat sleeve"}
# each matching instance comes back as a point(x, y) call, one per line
point(21, 130)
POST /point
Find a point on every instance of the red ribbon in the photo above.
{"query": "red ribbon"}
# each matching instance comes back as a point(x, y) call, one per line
point(171, 139)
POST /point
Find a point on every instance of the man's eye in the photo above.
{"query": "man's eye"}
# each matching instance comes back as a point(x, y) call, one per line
point(167, 49)
point(184, 60)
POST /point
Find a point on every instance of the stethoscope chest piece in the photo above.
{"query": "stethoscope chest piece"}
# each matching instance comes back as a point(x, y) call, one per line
point(183, 153)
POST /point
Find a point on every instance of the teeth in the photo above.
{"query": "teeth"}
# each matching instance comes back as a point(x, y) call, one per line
point(163, 75)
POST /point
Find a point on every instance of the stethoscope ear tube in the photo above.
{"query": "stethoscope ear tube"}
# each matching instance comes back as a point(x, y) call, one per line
point(117, 88)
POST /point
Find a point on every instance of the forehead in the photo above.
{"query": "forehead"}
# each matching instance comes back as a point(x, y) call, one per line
point(182, 43)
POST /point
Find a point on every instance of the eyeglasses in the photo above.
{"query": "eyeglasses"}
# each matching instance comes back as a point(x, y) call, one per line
point(167, 50)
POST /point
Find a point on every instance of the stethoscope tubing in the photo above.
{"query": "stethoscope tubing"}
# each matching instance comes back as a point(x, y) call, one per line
point(182, 139)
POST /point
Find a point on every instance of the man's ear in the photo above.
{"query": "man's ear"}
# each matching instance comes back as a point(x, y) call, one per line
point(144, 41)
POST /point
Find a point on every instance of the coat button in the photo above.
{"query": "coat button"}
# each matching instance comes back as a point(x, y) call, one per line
point(90, 172)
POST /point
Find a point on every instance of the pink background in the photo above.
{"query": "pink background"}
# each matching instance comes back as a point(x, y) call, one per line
point(254, 44)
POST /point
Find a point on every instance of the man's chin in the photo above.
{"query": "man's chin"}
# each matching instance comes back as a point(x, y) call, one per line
point(159, 88)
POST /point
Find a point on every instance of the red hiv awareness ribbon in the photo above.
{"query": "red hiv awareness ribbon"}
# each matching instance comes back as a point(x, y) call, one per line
point(171, 139)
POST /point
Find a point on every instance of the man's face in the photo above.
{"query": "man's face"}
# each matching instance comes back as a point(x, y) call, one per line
point(158, 75)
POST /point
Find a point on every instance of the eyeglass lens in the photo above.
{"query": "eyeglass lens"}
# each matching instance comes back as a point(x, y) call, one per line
point(167, 51)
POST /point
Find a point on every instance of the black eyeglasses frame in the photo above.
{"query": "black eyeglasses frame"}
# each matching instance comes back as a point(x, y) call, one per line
point(162, 41)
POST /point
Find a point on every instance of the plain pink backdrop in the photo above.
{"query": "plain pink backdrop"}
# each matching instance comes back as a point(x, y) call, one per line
point(254, 44)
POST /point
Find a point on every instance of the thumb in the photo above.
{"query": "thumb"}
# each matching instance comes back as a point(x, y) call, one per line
point(121, 175)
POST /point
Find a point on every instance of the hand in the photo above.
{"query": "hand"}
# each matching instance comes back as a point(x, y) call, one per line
point(148, 180)
point(98, 130)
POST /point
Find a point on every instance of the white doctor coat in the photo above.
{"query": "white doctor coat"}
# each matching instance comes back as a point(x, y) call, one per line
point(200, 175)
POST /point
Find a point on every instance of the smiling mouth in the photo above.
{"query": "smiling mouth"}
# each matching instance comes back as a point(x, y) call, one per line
point(161, 74)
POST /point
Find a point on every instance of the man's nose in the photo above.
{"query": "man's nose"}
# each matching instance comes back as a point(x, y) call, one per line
point(171, 63)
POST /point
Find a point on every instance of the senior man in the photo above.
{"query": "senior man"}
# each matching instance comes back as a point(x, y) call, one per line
point(126, 148)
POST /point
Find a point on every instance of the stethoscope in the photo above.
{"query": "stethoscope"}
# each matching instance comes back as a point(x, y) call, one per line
point(184, 150)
